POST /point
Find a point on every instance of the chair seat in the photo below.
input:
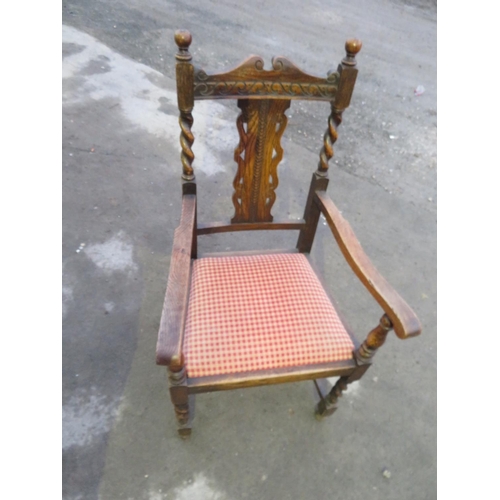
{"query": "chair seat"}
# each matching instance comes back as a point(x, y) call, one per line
point(259, 312)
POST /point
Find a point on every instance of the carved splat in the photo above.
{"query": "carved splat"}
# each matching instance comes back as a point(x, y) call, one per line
point(261, 124)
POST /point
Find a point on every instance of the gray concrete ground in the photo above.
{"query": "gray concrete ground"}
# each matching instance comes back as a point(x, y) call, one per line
point(121, 205)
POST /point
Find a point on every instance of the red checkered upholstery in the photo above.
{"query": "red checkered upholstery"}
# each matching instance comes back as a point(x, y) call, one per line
point(249, 313)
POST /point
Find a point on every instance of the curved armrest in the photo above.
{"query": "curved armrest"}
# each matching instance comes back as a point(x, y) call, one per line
point(168, 347)
point(403, 319)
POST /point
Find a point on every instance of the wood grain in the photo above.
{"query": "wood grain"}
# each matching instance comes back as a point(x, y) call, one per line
point(227, 227)
point(249, 79)
point(263, 96)
point(328, 403)
point(347, 74)
point(329, 139)
point(243, 253)
point(267, 377)
point(374, 340)
point(184, 72)
point(404, 320)
point(260, 126)
point(347, 78)
point(179, 396)
point(170, 335)
point(311, 213)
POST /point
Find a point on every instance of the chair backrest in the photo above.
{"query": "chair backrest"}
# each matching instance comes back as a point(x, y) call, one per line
point(263, 97)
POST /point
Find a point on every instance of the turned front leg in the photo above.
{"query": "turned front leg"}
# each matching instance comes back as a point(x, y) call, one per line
point(180, 399)
point(328, 405)
point(363, 355)
point(375, 339)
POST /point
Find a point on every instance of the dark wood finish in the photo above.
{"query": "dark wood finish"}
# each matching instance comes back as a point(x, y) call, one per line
point(169, 345)
point(348, 73)
point(375, 339)
point(185, 100)
point(347, 78)
point(329, 138)
point(227, 227)
point(268, 377)
point(327, 405)
point(263, 98)
point(194, 243)
point(248, 252)
point(180, 399)
point(404, 320)
point(260, 125)
point(249, 79)
point(311, 213)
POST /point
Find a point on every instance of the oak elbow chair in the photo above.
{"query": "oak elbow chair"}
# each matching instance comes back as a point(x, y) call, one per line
point(248, 319)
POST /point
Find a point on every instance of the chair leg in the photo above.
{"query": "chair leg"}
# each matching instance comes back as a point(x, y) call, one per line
point(328, 404)
point(363, 356)
point(180, 399)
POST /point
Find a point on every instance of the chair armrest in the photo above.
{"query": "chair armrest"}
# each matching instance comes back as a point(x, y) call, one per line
point(168, 347)
point(403, 319)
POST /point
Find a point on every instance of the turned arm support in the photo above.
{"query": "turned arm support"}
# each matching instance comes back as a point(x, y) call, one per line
point(168, 348)
point(403, 319)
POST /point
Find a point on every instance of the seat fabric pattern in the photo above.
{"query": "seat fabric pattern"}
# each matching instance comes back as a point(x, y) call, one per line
point(250, 313)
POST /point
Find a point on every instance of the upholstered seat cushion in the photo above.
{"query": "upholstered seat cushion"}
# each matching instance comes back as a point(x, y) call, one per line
point(258, 312)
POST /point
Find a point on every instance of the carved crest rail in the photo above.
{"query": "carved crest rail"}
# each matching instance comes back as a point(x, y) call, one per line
point(251, 80)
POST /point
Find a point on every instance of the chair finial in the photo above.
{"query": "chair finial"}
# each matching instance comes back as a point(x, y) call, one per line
point(183, 40)
point(352, 47)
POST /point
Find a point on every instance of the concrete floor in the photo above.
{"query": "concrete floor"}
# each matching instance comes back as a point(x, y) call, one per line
point(121, 174)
